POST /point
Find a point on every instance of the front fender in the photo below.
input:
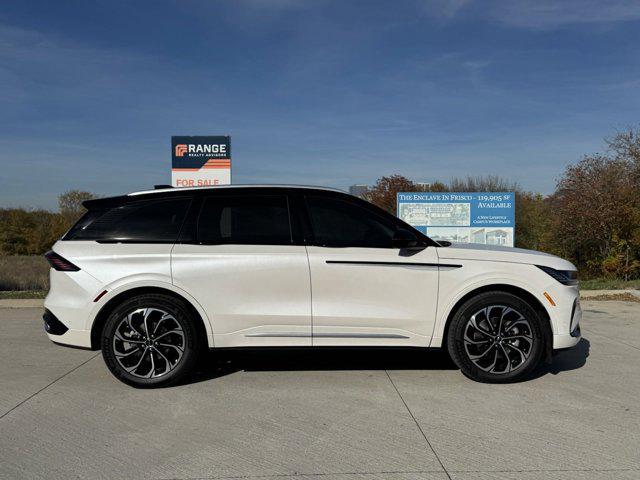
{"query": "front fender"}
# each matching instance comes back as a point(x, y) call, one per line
point(455, 284)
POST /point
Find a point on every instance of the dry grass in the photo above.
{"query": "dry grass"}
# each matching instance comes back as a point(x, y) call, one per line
point(24, 272)
point(618, 297)
point(21, 294)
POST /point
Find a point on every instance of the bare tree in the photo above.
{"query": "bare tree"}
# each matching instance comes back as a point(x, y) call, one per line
point(488, 183)
point(70, 203)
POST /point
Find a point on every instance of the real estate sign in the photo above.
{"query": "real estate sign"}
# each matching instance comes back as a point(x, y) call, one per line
point(464, 217)
point(200, 161)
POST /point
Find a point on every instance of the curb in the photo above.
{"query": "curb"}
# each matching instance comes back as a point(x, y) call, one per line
point(21, 303)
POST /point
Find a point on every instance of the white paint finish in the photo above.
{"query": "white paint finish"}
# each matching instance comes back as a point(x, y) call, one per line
point(382, 300)
point(103, 266)
point(112, 262)
point(475, 274)
point(564, 341)
point(141, 280)
point(495, 253)
point(248, 290)
point(70, 299)
point(252, 295)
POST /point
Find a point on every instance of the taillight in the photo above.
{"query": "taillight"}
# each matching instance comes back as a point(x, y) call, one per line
point(60, 263)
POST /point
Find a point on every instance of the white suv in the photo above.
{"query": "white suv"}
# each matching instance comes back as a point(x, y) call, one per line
point(153, 278)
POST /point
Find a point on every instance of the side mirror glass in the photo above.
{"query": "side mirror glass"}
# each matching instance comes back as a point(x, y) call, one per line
point(404, 239)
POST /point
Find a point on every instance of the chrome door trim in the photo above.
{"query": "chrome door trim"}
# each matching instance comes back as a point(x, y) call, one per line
point(279, 334)
point(358, 335)
point(402, 264)
point(326, 335)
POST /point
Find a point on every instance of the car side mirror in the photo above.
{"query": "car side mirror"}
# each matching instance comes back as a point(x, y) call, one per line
point(404, 239)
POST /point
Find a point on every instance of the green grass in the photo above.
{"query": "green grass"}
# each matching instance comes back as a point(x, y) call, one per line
point(19, 294)
point(609, 284)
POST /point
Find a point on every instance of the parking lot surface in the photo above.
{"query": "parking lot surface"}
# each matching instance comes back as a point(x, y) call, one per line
point(323, 414)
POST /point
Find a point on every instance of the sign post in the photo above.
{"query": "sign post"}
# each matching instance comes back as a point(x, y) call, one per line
point(200, 161)
point(464, 217)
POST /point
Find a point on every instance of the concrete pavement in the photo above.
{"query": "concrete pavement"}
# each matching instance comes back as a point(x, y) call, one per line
point(326, 414)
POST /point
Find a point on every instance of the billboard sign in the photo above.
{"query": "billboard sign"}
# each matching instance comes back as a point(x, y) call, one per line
point(200, 161)
point(463, 217)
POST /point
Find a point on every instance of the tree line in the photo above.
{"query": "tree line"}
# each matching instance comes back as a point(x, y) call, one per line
point(592, 218)
point(32, 232)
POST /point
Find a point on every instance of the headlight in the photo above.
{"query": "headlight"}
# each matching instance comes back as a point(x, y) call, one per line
point(566, 277)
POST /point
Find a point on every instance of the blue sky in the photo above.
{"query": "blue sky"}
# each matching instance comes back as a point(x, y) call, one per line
point(314, 92)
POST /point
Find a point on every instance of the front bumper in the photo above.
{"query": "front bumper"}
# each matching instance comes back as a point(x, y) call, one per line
point(571, 338)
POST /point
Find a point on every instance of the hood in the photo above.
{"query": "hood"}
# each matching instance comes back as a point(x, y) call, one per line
point(495, 253)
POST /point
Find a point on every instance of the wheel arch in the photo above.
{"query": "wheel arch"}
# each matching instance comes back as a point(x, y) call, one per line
point(516, 291)
point(112, 304)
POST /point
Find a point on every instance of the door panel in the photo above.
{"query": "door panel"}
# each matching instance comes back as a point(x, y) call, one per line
point(373, 296)
point(255, 295)
point(245, 270)
point(364, 292)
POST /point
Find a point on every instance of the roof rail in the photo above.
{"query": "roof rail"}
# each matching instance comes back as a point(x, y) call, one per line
point(158, 187)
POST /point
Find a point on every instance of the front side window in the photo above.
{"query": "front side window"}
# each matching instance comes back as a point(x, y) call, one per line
point(154, 221)
point(338, 223)
point(248, 220)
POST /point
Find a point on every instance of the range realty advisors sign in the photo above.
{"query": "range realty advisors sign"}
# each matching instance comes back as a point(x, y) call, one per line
point(200, 161)
point(464, 217)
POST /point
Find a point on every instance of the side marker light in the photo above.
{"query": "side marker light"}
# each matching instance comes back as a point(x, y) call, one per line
point(548, 297)
point(100, 295)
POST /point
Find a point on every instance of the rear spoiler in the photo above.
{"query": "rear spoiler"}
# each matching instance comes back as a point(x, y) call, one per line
point(107, 202)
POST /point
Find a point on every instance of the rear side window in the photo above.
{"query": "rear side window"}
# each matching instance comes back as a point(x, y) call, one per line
point(153, 221)
point(249, 220)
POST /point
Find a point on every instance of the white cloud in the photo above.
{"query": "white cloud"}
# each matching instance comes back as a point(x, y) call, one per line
point(537, 14)
point(548, 14)
point(445, 9)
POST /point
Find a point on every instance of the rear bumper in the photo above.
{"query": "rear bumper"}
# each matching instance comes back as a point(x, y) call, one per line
point(52, 325)
point(68, 308)
point(59, 333)
point(73, 338)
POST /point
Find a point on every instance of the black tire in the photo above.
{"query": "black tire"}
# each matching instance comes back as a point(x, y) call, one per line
point(173, 329)
point(504, 361)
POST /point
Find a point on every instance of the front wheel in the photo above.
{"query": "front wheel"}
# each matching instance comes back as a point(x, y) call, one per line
point(496, 337)
point(150, 341)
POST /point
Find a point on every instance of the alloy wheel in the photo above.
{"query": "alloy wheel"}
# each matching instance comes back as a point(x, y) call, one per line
point(498, 339)
point(148, 343)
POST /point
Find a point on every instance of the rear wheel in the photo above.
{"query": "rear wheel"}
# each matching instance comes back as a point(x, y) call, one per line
point(496, 337)
point(150, 341)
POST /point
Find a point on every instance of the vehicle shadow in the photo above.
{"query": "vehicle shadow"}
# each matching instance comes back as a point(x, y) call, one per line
point(219, 364)
point(226, 362)
point(565, 360)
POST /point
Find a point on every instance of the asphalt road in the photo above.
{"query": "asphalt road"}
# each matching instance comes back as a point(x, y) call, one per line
point(323, 415)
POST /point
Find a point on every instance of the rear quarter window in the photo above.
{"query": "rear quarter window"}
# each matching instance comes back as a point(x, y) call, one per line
point(153, 221)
